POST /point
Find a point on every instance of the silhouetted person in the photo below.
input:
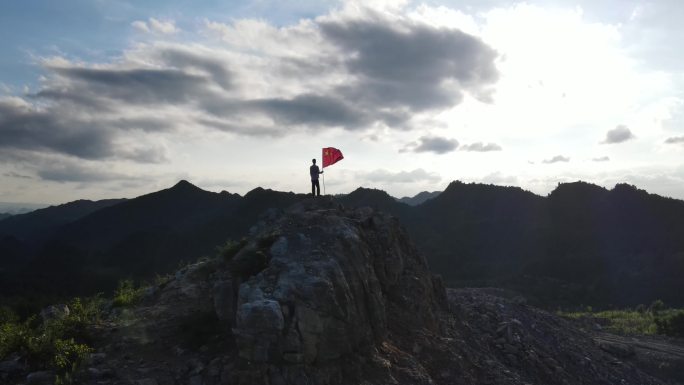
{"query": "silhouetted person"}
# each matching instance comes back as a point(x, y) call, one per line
point(314, 171)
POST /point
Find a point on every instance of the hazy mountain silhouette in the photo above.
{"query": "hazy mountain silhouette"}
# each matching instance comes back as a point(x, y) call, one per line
point(377, 199)
point(173, 210)
point(475, 232)
point(42, 222)
point(4, 215)
point(582, 244)
point(135, 238)
point(419, 198)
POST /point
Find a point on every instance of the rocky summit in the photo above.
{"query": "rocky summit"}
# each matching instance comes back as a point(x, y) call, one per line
point(320, 294)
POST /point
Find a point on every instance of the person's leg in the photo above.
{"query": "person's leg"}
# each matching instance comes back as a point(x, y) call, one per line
point(318, 188)
point(313, 188)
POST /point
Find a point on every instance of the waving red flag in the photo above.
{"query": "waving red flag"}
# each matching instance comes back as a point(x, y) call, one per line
point(331, 155)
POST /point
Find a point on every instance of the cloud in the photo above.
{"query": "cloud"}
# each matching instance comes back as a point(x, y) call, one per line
point(435, 144)
point(134, 86)
point(194, 59)
point(618, 135)
point(356, 69)
point(28, 127)
point(23, 126)
point(601, 159)
point(153, 25)
point(675, 140)
point(70, 171)
point(311, 109)
point(140, 26)
point(17, 175)
point(415, 176)
point(556, 159)
point(481, 147)
point(398, 62)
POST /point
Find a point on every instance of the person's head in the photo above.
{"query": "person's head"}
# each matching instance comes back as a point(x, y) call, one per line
point(313, 161)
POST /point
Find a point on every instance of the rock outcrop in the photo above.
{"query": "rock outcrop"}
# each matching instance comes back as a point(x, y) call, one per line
point(334, 283)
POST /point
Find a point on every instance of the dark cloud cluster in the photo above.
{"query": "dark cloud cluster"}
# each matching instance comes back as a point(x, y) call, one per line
point(441, 145)
point(434, 144)
point(675, 140)
point(17, 175)
point(402, 64)
point(556, 159)
point(25, 127)
point(618, 135)
point(481, 147)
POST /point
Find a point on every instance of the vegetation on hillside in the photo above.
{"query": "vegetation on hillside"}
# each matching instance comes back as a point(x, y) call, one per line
point(127, 294)
point(653, 320)
point(60, 342)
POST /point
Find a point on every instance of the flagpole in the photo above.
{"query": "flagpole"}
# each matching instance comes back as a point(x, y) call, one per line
point(323, 183)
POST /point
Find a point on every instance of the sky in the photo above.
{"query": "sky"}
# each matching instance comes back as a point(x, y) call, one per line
point(108, 99)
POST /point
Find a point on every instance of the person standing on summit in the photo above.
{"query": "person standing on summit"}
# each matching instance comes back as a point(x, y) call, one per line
point(315, 171)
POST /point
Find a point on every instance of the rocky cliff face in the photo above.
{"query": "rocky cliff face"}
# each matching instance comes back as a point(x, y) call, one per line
point(335, 282)
point(325, 295)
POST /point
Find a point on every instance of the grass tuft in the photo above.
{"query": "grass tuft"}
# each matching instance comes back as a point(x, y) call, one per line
point(127, 294)
point(652, 320)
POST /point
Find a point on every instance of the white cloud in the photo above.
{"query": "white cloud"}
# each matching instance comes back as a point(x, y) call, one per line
point(140, 26)
point(162, 27)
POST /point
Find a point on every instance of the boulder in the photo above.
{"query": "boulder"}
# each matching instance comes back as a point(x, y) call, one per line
point(41, 378)
point(334, 281)
point(12, 366)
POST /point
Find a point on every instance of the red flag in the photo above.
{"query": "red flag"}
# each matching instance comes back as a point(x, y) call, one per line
point(331, 155)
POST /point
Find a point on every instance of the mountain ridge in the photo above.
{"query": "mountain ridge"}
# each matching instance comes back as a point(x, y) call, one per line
point(581, 242)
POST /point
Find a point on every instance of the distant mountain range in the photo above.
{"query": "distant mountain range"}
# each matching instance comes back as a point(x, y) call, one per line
point(419, 198)
point(41, 224)
point(582, 244)
point(14, 208)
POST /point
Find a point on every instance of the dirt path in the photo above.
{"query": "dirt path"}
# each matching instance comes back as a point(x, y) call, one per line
point(671, 347)
point(660, 356)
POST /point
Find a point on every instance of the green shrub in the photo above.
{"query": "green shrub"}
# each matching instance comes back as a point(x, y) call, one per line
point(656, 306)
point(230, 248)
point(59, 344)
point(7, 315)
point(13, 338)
point(127, 294)
point(67, 358)
point(671, 323)
point(162, 280)
point(619, 321)
point(628, 322)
